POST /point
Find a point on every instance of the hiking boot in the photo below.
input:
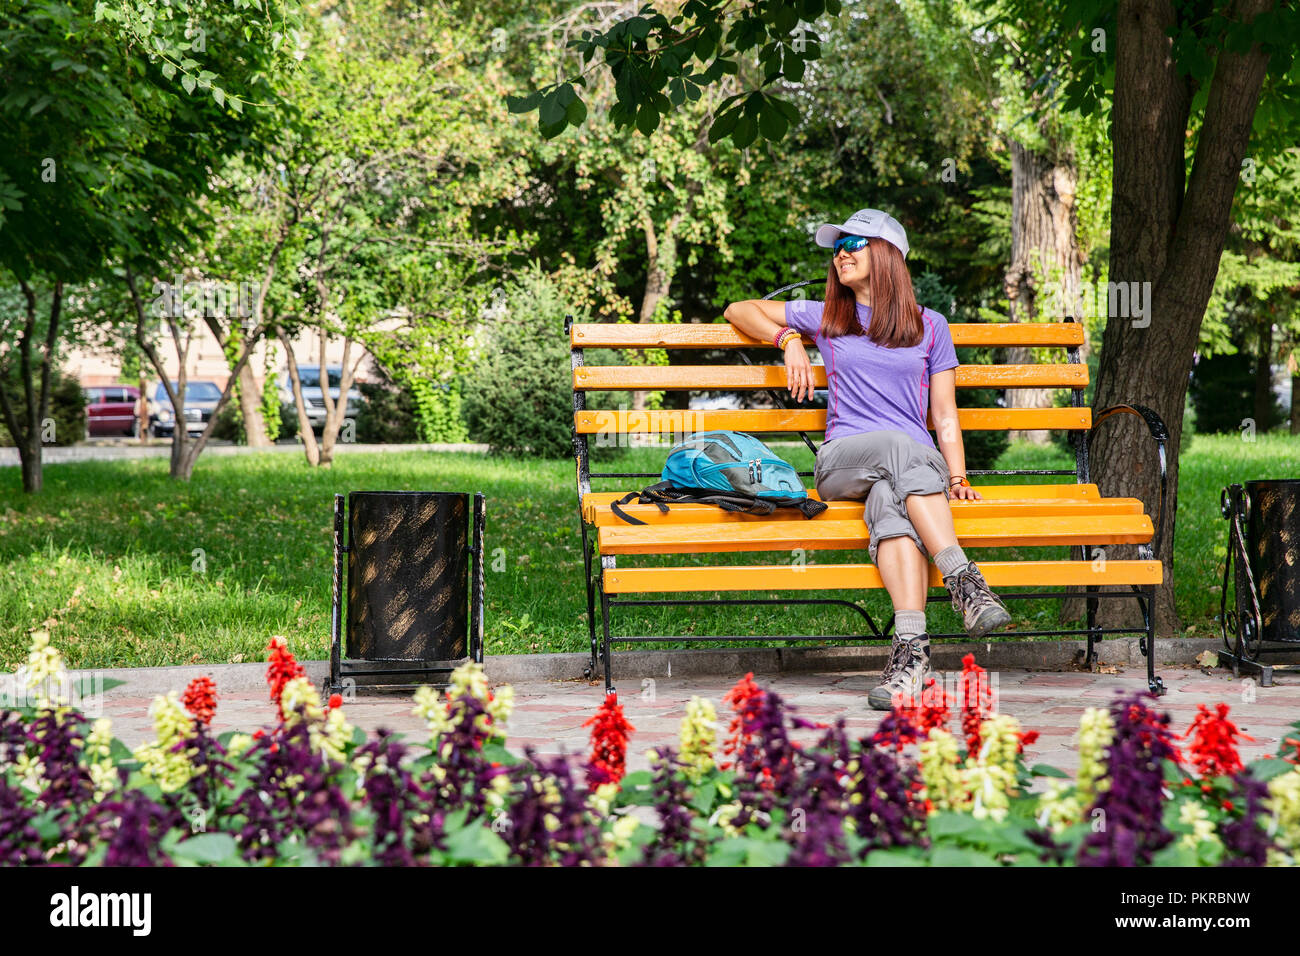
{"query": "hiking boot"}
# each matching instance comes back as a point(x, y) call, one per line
point(981, 610)
point(904, 675)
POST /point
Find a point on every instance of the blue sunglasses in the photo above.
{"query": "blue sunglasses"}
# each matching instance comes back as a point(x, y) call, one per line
point(850, 243)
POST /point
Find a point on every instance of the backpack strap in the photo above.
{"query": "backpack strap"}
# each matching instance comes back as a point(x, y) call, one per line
point(651, 495)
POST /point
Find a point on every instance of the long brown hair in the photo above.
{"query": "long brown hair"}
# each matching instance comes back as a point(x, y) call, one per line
point(895, 314)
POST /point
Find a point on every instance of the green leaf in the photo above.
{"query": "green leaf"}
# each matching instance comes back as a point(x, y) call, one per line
point(959, 856)
point(1268, 769)
point(206, 848)
point(1046, 770)
point(745, 131)
point(772, 123)
point(704, 797)
point(187, 81)
point(892, 857)
point(551, 111)
point(219, 95)
point(477, 844)
point(1175, 854)
point(523, 104)
point(647, 119)
point(575, 112)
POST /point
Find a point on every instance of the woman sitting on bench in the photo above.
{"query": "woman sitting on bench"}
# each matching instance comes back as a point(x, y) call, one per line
point(884, 367)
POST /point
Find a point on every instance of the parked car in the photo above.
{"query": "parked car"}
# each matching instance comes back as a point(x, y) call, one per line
point(111, 410)
point(200, 402)
point(313, 399)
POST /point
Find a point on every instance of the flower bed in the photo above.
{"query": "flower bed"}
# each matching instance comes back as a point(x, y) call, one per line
point(310, 789)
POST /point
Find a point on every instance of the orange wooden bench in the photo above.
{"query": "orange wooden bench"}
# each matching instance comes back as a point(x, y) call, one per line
point(1010, 515)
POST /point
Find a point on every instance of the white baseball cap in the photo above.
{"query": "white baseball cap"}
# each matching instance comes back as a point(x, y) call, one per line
point(865, 222)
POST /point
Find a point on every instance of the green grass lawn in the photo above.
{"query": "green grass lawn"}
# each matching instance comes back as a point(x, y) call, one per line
point(127, 567)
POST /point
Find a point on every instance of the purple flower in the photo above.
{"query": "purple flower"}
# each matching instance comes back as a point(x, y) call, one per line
point(293, 792)
point(547, 790)
point(815, 826)
point(20, 844)
point(1131, 819)
point(1244, 841)
point(133, 827)
point(766, 773)
point(886, 813)
point(675, 844)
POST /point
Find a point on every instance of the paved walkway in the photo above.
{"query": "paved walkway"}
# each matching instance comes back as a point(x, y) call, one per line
point(549, 714)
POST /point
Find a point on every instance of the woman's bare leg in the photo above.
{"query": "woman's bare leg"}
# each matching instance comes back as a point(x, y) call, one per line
point(932, 518)
point(905, 572)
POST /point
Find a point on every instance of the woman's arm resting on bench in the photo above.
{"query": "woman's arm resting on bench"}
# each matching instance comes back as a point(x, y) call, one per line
point(762, 319)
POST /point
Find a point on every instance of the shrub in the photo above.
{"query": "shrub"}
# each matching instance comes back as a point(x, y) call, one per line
point(389, 414)
point(67, 409)
point(518, 393)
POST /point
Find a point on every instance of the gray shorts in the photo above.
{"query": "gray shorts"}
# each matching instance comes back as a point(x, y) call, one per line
point(882, 467)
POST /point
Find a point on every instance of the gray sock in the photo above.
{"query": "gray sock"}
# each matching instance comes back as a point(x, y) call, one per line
point(909, 624)
point(950, 560)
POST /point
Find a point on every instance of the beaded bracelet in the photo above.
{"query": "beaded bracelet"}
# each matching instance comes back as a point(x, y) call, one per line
point(961, 479)
point(784, 336)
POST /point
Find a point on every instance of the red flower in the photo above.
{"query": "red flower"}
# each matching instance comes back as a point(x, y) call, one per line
point(745, 699)
point(1027, 737)
point(608, 743)
point(201, 699)
point(336, 700)
point(282, 669)
point(1227, 805)
point(934, 709)
point(1214, 742)
point(977, 700)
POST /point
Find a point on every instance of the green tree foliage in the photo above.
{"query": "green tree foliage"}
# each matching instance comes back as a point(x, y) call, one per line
point(112, 124)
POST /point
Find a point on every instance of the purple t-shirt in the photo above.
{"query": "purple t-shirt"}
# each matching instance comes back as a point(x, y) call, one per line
point(872, 387)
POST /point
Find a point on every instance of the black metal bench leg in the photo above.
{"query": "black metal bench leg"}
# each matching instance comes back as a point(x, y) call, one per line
point(1154, 683)
point(1092, 629)
point(605, 645)
point(587, 549)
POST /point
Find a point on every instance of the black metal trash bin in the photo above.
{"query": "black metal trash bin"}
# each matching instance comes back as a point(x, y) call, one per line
point(1264, 541)
point(414, 585)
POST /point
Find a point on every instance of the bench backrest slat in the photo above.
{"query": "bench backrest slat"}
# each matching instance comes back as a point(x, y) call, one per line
point(760, 420)
point(616, 377)
point(720, 335)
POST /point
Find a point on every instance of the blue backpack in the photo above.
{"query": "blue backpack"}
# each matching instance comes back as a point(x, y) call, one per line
point(730, 469)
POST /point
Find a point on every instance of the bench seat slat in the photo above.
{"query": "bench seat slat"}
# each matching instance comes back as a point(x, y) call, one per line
point(816, 577)
point(624, 377)
point(763, 535)
point(596, 511)
point(717, 335)
point(679, 422)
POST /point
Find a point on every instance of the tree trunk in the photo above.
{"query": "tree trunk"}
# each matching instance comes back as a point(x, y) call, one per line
point(1295, 392)
point(1264, 401)
point(1043, 243)
point(29, 432)
point(661, 264)
point(1169, 230)
point(250, 407)
point(308, 436)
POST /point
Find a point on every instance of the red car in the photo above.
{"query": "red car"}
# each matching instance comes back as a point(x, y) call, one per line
point(111, 410)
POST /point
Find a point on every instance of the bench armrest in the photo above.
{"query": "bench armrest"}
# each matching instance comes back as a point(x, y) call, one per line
point(1156, 425)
